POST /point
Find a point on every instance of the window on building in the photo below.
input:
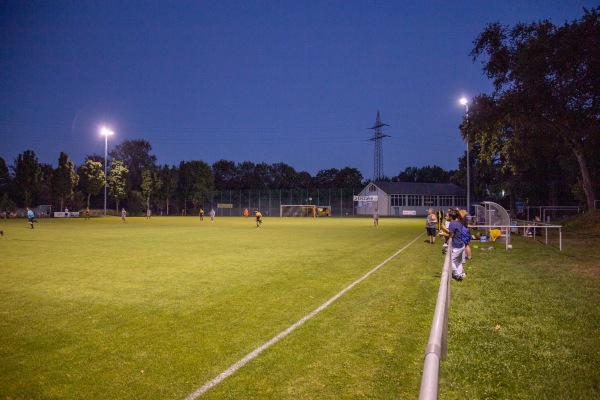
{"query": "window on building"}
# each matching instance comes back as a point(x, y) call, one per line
point(372, 188)
point(446, 201)
point(415, 200)
point(398, 200)
point(429, 201)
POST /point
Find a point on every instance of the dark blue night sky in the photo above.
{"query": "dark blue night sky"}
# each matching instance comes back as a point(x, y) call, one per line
point(297, 82)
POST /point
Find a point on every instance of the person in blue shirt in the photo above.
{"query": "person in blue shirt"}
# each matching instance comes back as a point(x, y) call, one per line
point(31, 216)
point(458, 245)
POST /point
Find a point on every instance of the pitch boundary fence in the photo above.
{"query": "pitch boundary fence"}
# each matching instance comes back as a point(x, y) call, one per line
point(437, 347)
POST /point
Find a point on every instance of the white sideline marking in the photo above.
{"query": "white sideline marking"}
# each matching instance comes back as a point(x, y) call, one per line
point(254, 353)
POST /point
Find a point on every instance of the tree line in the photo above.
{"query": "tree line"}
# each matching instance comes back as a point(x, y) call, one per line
point(135, 181)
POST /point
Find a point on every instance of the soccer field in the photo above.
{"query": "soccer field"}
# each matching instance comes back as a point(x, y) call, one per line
point(155, 309)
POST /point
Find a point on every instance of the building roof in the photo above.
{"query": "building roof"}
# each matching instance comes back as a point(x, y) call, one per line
point(449, 189)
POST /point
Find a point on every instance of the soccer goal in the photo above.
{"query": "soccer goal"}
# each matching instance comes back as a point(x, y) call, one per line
point(297, 210)
point(44, 211)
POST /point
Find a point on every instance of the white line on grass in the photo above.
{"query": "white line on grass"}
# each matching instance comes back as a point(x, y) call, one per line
point(253, 354)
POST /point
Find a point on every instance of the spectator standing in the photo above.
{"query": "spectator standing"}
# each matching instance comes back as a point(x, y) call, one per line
point(376, 218)
point(123, 214)
point(431, 225)
point(458, 246)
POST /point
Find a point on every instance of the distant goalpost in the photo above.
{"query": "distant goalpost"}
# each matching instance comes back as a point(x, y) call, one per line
point(297, 210)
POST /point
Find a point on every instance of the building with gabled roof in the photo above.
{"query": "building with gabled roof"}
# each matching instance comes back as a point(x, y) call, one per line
point(403, 199)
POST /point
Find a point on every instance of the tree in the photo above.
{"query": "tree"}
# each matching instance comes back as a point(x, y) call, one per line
point(64, 179)
point(151, 183)
point(326, 178)
point(6, 202)
point(226, 175)
point(117, 181)
point(428, 174)
point(195, 181)
point(284, 176)
point(28, 176)
point(262, 177)
point(252, 176)
point(350, 178)
point(135, 155)
point(304, 180)
point(514, 157)
point(546, 84)
point(4, 177)
point(169, 178)
point(91, 179)
point(95, 157)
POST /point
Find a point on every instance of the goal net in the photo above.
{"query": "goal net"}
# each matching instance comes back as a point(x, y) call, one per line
point(297, 210)
point(44, 211)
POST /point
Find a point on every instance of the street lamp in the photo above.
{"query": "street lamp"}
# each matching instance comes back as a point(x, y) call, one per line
point(465, 103)
point(106, 132)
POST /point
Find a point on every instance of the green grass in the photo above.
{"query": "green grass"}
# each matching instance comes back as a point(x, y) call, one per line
point(526, 323)
point(85, 307)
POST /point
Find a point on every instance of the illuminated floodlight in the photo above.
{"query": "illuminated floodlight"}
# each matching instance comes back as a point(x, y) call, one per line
point(106, 132)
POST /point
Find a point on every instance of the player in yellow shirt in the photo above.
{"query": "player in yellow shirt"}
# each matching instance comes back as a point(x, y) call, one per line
point(258, 218)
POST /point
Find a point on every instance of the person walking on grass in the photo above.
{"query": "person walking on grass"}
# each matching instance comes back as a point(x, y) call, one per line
point(212, 215)
point(376, 218)
point(201, 213)
point(123, 214)
point(31, 217)
point(431, 225)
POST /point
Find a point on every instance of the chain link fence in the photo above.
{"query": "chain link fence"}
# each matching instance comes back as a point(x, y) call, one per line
point(233, 202)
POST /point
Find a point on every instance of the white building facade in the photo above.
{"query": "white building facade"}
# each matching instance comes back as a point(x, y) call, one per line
point(408, 199)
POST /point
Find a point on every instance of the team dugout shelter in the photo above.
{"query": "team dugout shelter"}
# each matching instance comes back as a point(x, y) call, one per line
point(408, 199)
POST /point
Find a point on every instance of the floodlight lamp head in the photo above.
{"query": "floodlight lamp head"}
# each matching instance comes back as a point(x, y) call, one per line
point(464, 101)
point(106, 132)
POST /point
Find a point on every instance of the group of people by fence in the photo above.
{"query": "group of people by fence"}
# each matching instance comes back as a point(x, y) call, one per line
point(454, 225)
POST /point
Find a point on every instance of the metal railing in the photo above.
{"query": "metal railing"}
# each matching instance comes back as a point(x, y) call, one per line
point(437, 347)
point(538, 226)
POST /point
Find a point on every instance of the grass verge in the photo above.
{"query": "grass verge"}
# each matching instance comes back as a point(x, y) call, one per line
point(526, 322)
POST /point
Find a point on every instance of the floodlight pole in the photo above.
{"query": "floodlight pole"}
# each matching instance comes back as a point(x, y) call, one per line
point(106, 132)
point(465, 102)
